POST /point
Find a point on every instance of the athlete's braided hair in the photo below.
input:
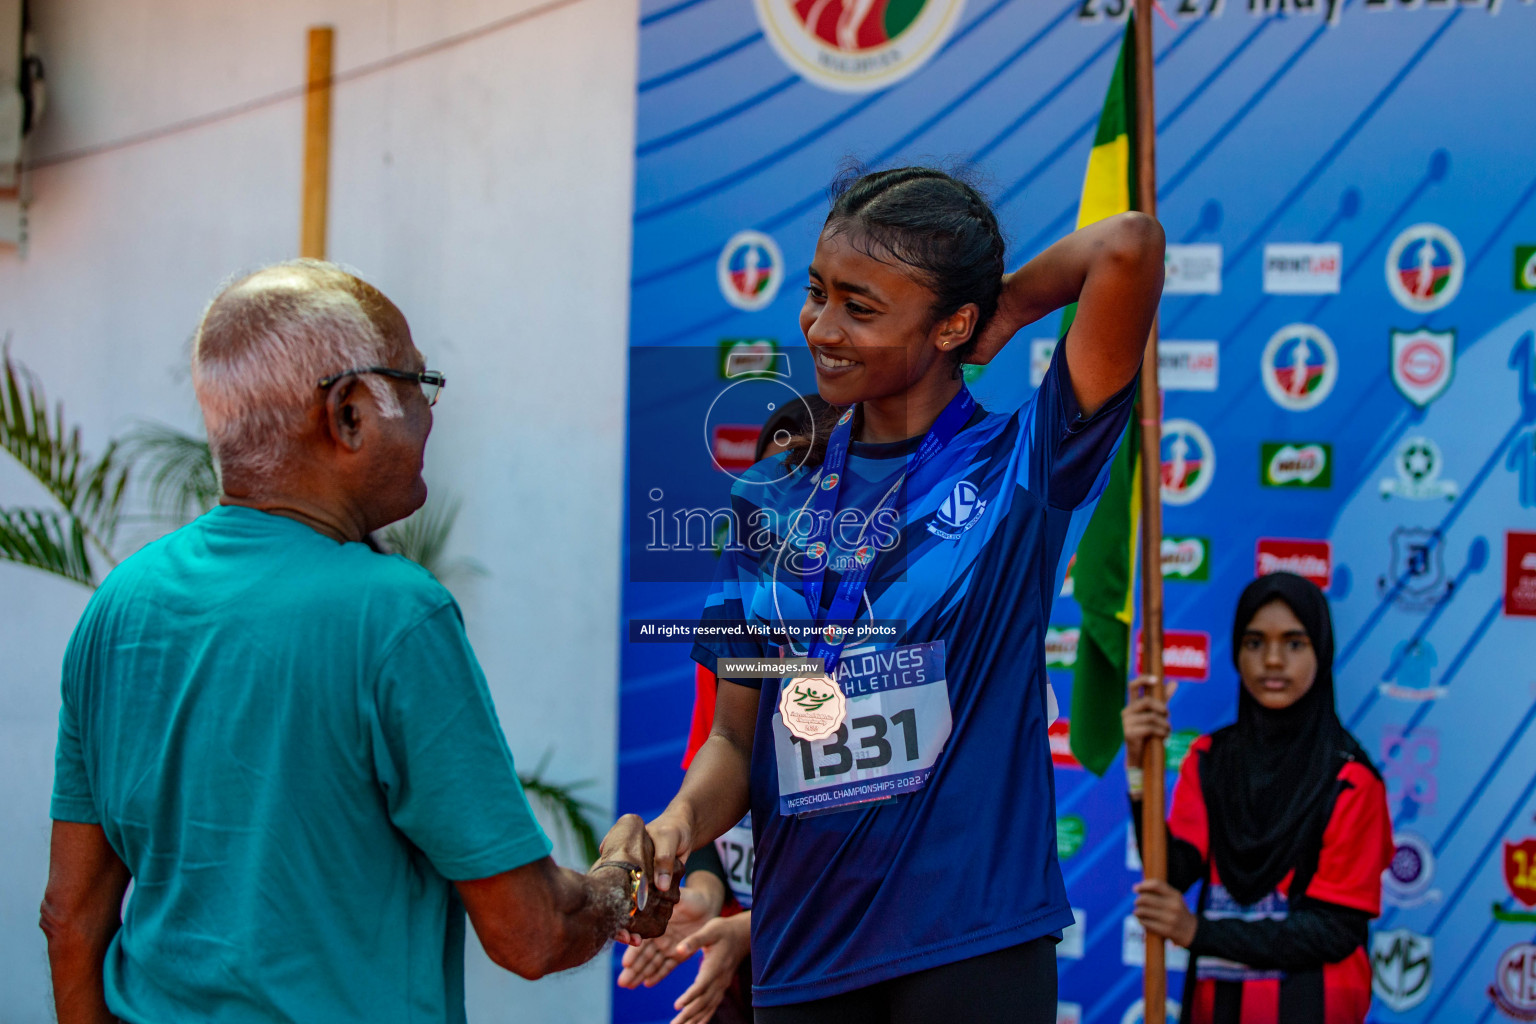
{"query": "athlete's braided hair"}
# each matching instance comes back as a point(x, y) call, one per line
point(930, 221)
point(933, 222)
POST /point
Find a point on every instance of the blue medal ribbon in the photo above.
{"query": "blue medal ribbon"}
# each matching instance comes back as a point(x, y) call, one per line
point(850, 590)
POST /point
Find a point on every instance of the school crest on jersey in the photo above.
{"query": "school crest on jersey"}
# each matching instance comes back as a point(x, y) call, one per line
point(958, 512)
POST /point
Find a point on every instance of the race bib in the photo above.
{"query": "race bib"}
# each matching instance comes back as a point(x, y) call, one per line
point(735, 849)
point(897, 722)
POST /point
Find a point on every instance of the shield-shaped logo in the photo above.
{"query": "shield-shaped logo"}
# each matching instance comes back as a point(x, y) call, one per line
point(1520, 870)
point(1423, 362)
point(1416, 576)
point(1402, 965)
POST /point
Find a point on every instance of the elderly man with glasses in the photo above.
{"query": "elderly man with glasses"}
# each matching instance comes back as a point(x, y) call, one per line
point(282, 738)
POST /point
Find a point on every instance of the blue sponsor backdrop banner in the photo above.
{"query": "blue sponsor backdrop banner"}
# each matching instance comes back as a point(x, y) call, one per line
point(1349, 190)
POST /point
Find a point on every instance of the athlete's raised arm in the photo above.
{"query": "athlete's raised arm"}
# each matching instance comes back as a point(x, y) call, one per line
point(1113, 270)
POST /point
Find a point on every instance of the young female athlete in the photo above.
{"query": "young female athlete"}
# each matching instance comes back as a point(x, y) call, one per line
point(1284, 818)
point(933, 528)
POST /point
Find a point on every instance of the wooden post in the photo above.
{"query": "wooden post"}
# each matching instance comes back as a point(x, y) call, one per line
point(1150, 407)
point(317, 143)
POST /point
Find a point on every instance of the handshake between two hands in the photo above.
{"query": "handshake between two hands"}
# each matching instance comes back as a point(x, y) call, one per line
point(654, 893)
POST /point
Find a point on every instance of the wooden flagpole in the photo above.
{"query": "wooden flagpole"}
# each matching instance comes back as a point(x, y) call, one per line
point(1154, 845)
point(317, 144)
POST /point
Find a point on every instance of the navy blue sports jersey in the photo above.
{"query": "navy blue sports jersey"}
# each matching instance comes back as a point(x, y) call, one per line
point(965, 864)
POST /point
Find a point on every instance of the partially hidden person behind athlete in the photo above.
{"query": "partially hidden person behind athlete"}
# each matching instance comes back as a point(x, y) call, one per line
point(1283, 817)
point(919, 536)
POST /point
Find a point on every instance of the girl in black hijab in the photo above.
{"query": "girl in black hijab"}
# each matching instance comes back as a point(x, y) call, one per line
point(1284, 819)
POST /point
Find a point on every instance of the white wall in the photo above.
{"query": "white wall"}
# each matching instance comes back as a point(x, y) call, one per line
point(487, 190)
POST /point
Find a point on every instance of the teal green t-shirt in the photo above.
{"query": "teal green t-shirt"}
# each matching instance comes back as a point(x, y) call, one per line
point(289, 743)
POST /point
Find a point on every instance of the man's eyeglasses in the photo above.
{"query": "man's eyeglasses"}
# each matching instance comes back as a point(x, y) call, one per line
point(430, 380)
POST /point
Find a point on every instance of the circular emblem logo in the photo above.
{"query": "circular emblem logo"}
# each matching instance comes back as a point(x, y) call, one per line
point(1189, 462)
point(864, 554)
point(816, 551)
point(1528, 271)
point(1299, 367)
point(830, 481)
point(857, 45)
point(812, 707)
point(1412, 870)
point(1425, 267)
point(750, 270)
point(1419, 460)
point(960, 506)
point(846, 416)
point(1514, 982)
point(1421, 364)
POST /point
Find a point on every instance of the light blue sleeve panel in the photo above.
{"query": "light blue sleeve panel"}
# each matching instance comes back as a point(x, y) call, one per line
point(441, 759)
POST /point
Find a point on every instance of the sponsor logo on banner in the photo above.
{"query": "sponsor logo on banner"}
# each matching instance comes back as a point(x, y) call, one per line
point(1073, 935)
point(1060, 735)
point(1402, 968)
point(1418, 465)
point(1410, 759)
point(1425, 268)
point(1040, 352)
point(1298, 464)
point(749, 357)
point(1187, 365)
point(1519, 573)
point(1068, 1013)
point(1525, 268)
point(1187, 558)
point(1520, 877)
point(1176, 747)
point(1189, 462)
point(734, 446)
point(1071, 833)
point(1061, 646)
point(1303, 269)
point(1514, 982)
point(1312, 559)
point(957, 513)
point(1186, 654)
point(750, 270)
point(1133, 948)
point(1415, 577)
point(1408, 879)
point(1423, 362)
point(1410, 671)
point(1136, 1013)
point(855, 45)
point(1299, 367)
point(1192, 269)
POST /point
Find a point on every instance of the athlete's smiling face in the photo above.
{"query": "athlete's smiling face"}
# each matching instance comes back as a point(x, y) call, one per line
point(1275, 657)
point(870, 324)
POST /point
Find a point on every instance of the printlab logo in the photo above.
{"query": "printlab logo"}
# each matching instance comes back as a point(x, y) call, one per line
point(1418, 465)
point(1416, 575)
point(1520, 877)
point(1525, 268)
point(1187, 558)
point(1187, 365)
point(856, 45)
point(1192, 269)
point(750, 270)
point(1408, 879)
point(1425, 267)
point(1514, 982)
point(1410, 761)
point(1402, 968)
point(1299, 367)
point(958, 512)
point(1304, 464)
point(1422, 364)
point(1303, 269)
point(1408, 676)
point(1188, 462)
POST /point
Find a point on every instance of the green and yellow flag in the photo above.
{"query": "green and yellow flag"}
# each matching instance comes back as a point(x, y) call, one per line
point(1104, 574)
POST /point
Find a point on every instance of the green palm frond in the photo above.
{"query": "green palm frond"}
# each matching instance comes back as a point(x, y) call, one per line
point(43, 445)
point(423, 538)
point(569, 811)
point(46, 540)
point(183, 483)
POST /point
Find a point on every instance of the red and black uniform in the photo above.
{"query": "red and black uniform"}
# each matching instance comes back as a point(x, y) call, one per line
point(1298, 954)
point(1284, 819)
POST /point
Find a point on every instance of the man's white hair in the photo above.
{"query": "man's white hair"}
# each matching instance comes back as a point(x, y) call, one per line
point(261, 349)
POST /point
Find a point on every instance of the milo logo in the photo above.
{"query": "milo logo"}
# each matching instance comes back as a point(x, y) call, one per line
point(1186, 558)
point(1061, 646)
point(1307, 464)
